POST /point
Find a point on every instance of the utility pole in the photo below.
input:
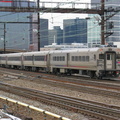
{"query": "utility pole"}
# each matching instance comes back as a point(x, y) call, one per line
point(4, 38)
point(38, 17)
point(102, 22)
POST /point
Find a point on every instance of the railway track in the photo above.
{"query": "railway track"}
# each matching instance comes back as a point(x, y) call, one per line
point(70, 79)
point(92, 87)
point(89, 108)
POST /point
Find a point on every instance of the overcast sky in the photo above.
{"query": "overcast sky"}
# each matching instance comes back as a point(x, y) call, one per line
point(57, 19)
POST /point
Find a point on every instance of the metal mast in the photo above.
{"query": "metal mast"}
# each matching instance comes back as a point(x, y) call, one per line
point(38, 17)
point(102, 22)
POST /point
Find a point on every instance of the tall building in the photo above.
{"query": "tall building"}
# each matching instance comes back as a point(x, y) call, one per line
point(55, 35)
point(112, 25)
point(34, 32)
point(93, 30)
point(16, 34)
point(75, 30)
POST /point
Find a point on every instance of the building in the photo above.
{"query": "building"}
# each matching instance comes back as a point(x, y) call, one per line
point(34, 32)
point(55, 35)
point(75, 30)
point(93, 30)
point(16, 35)
point(112, 25)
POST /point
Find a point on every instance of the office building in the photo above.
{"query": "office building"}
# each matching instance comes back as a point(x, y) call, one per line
point(34, 32)
point(112, 25)
point(75, 30)
point(93, 30)
point(16, 34)
point(55, 35)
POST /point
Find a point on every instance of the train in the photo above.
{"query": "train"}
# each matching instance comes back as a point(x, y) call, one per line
point(94, 62)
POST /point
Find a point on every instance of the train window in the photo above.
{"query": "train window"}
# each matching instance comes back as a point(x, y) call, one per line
point(72, 58)
point(55, 58)
point(3, 58)
point(101, 56)
point(118, 56)
point(83, 58)
point(79, 58)
point(28, 58)
point(58, 58)
point(63, 58)
point(14, 58)
point(87, 58)
point(76, 58)
point(39, 58)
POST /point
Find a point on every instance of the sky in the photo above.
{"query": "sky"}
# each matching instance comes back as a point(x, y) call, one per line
point(56, 19)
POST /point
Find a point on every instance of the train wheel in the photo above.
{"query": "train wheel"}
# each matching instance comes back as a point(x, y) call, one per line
point(100, 77)
point(91, 74)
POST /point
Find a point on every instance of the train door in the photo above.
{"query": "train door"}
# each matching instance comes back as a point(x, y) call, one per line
point(33, 59)
point(48, 57)
point(110, 60)
point(68, 59)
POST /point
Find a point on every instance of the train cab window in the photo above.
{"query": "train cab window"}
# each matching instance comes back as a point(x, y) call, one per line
point(108, 56)
point(101, 56)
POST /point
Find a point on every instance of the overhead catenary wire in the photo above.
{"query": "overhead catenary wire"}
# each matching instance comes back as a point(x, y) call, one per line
point(59, 16)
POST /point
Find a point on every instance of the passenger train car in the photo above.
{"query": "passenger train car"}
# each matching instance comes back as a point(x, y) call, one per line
point(95, 62)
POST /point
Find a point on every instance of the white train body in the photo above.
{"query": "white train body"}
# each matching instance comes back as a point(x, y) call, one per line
point(14, 60)
point(100, 62)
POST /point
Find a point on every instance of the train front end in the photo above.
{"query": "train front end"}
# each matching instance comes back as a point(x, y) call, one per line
point(108, 62)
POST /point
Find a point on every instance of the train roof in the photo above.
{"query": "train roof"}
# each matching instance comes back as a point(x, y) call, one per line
point(75, 50)
point(62, 51)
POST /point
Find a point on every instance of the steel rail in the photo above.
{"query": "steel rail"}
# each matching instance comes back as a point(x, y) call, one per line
point(97, 111)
